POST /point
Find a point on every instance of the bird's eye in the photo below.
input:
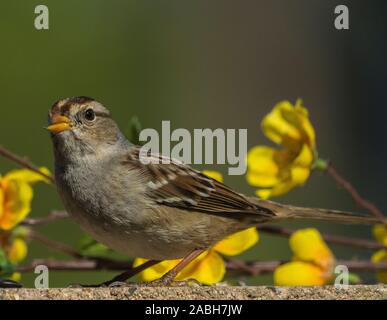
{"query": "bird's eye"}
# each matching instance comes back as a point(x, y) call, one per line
point(89, 115)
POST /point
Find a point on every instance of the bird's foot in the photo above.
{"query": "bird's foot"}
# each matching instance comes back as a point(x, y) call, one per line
point(78, 285)
point(107, 284)
point(118, 284)
point(168, 282)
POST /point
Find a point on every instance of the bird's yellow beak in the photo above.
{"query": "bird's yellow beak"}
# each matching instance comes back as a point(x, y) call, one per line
point(59, 123)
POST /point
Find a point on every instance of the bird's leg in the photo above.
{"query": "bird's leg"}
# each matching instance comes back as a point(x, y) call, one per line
point(168, 278)
point(119, 281)
point(121, 278)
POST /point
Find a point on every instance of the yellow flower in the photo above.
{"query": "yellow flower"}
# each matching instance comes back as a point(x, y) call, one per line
point(380, 233)
point(214, 175)
point(380, 256)
point(16, 195)
point(312, 262)
point(15, 249)
point(209, 267)
point(276, 171)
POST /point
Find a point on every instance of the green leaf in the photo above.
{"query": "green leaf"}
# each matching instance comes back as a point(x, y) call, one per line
point(353, 278)
point(6, 267)
point(20, 232)
point(320, 164)
point(133, 131)
point(3, 259)
point(90, 247)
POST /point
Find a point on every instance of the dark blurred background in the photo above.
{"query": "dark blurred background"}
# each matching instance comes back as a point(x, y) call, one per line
point(203, 64)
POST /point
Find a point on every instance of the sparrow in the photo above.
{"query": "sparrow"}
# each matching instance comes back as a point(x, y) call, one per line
point(154, 210)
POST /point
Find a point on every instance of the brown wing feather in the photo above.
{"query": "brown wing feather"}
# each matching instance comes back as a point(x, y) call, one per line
point(177, 185)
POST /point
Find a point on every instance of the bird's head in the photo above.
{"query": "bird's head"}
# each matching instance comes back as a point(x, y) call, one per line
point(82, 125)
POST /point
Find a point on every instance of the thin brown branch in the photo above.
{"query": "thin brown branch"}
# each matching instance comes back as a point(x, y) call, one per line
point(24, 163)
point(53, 216)
point(255, 268)
point(329, 238)
point(77, 265)
point(363, 203)
point(363, 265)
point(55, 245)
point(252, 268)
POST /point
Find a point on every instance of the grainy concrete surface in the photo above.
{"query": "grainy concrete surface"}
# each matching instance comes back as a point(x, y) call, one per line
point(200, 293)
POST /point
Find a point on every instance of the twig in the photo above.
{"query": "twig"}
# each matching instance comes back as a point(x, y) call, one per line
point(55, 245)
point(79, 265)
point(363, 203)
point(258, 267)
point(363, 265)
point(253, 267)
point(24, 163)
point(333, 239)
point(53, 216)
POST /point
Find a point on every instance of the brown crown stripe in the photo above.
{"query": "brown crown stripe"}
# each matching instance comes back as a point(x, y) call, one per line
point(75, 100)
point(80, 100)
point(65, 105)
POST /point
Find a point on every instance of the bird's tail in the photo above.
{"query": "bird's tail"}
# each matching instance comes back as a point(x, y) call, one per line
point(282, 212)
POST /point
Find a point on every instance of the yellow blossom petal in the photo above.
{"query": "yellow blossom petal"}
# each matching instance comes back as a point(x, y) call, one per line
point(156, 271)
point(1, 200)
point(16, 276)
point(299, 273)
point(298, 117)
point(214, 175)
point(305, 123)
point(299, 175)
point(16, 195)
point(18, 251)
point(308, 245)
point(263, 193)
point(16, 205)
point(313, 260)
point(380, 256)
point(277, 128)
point(305, 157)
point(262, 168)
point(380, 233)
point(28, 176)
point(208, 268)
point(279, 189)
point(237, 242)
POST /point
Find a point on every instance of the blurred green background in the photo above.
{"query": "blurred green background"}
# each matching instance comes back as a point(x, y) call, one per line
point(203, 64)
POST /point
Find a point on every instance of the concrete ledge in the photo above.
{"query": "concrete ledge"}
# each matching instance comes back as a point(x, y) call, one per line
point(200, 293)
